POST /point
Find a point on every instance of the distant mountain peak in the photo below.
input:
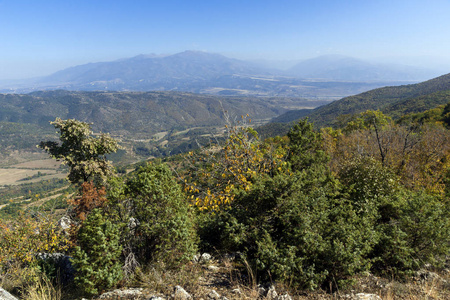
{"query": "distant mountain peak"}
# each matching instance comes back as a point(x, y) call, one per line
point(345, 68)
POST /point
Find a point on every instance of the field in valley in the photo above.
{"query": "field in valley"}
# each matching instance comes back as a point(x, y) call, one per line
point(32, 171)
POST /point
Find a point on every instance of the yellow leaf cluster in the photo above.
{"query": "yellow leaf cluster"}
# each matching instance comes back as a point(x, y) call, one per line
point(231, 167)
point(24, 238)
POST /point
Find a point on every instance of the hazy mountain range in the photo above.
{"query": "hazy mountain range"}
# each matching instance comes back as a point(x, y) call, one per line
point(330, 77)
point(337, 67)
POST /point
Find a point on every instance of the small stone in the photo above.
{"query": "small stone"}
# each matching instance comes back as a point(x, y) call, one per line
point(272, 293)
point(133, 223)
point(206, 257)
point(284, 297)
point(181, 294)
point(213, 268)
point(134, 293)
point(213, 295)
point(65, 222)
point(5, 295)
point(261, 291)
point(363, 296)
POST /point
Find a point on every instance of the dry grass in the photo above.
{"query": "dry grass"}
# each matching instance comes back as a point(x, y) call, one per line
point(30, 284)
point(235, 280)
point(14, 277)
point(43, 289)
point(38, 164)
point(158, 280)
point(12, 176)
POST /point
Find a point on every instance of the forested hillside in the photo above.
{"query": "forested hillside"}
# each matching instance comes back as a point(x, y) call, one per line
point(393, 101)
point(133, 112)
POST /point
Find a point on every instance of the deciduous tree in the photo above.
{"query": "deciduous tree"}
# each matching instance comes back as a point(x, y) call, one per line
point(83, 153)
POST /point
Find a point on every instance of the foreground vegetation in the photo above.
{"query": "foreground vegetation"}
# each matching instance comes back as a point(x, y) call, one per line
point(312, 210)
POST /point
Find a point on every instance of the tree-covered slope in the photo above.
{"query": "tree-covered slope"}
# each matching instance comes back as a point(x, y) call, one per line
point(394, 100)
point(132, 112)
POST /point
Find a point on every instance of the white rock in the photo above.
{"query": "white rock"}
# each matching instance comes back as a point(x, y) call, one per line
point(272, 293)
point(133, 223)
point(213, 268)
point(363, 296)
point(261, 291)
point(65, 222)
point(284, 297)
point(213, 295)
point(206, 257)
point(5, 295)
point(134, 292)
point(428, 276)
point(181, 294)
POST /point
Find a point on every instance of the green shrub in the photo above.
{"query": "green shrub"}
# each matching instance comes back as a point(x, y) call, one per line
point(419, 235)
point(96, 258)
point(297, 229)
point(412, 228)
point(163, 228)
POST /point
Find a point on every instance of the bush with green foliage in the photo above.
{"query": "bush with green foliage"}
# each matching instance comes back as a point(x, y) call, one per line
point(155, 217)
point(306, 146)
point(97, 256)
point(417, 235)
point(295, 226)
point(308, 228)
point(412, 227)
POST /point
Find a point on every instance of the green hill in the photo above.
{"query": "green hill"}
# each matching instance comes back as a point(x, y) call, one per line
point(393, 101)
point(133, 112)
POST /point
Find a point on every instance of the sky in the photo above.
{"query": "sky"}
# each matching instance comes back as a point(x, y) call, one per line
point(38, 38)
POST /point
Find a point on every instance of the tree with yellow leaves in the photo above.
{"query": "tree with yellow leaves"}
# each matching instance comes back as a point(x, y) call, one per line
point(215, 173)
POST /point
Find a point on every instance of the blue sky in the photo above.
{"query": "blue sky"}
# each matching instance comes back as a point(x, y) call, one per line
point(41, 37)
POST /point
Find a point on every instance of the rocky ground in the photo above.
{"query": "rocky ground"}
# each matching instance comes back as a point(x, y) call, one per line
point(207, 278)
point(210, 279)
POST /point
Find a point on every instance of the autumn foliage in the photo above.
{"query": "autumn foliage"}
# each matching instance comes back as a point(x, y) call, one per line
point(213, 174)
point(91, 197)
point(24, 237)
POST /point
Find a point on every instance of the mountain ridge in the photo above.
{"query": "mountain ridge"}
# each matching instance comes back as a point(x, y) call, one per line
point(207, 73)
point(340, 67)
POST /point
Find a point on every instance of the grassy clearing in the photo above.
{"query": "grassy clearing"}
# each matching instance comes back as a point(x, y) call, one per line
point(38, 164)
point(13, 176)
point(158, 136)
point(30, 171)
